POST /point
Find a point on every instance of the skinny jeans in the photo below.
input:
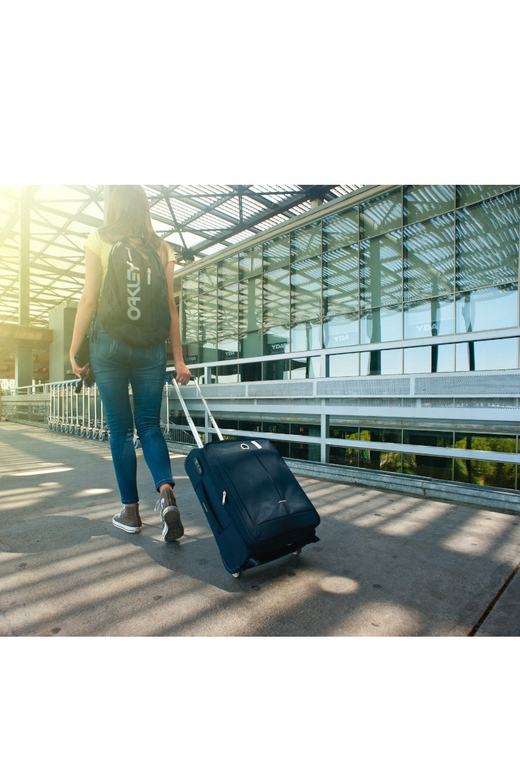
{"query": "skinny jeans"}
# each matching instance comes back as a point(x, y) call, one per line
point(118, 367)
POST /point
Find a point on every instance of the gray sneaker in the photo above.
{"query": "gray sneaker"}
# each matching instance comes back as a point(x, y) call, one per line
point(128, 519)
point(172, 526)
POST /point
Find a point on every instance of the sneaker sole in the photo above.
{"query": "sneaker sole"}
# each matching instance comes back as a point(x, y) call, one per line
point(130, 529)
point(172, 526)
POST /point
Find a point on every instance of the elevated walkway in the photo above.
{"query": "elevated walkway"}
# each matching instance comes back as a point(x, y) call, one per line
point(387, 564)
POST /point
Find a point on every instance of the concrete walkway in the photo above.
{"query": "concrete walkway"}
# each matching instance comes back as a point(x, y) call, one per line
point(387, 564)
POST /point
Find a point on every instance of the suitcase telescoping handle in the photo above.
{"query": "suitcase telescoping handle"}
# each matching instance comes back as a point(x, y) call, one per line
point(188, 415)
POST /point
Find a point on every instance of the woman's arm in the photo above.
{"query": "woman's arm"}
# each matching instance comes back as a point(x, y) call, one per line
point(86, 308)
point(181, 369)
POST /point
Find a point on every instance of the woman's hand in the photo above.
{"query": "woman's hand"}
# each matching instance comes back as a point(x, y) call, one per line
point(80, 371)
point(183, 374)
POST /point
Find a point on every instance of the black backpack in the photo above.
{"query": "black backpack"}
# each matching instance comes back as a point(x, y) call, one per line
point(133, 306)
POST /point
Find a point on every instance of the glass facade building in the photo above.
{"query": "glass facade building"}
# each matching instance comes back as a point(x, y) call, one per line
point(380, 331)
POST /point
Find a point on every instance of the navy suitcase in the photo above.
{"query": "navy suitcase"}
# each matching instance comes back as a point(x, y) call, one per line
point(254, 505)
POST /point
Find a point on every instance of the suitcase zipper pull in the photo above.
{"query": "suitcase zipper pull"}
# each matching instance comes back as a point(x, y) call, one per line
point(224, 496)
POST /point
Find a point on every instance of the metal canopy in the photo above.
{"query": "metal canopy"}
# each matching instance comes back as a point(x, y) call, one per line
point(198, 220)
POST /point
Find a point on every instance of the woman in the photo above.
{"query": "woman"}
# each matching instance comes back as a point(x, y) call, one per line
point(116, 365)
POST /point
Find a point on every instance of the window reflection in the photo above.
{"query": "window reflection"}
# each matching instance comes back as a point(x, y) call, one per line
point(428, 318)
point(306, 335)
point(380, 325)
point(341, 331)
point(427, 201)
point(417, 360)
point(483, 472)
point(487, 242)
point(343, 365)
point(341, 281)
point(491, 308)
point(429, 258)
point(306, 241)
point(492, 355)
point(381, 270)
point(341, 229)
point(471, 193)
point(276, 282)
point(381, 214)
point(306, 289)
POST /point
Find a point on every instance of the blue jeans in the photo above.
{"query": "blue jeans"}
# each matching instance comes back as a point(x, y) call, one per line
point(117, 366)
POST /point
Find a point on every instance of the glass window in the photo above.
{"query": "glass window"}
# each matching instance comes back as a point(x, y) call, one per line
point(380, 461)
point(251, 372)
point(190, 285)
point(487, 242)
point(250, 262)
point(276, 340)
point(381, 214)
point(305, 368)
point(427, 201)
point(485, 442)
point(341, 331)
point(465, 356)
point(379, 325)
point(341, 229)
point(228, 312)
point(428, 438)
point(303, 451)
point(428, 318)
point(341, 281)
point(493, 355)
point(306, 335)
point(306, 241)
point(370, 363)
point(471, 193)
point(276, 282)
point(189, 319)
point(391, 361)
point(343, 456)
point(208, 313)
point(381, 270)
point(387, 435)
point(443, 358)
point(229, 373)
point(488, 309)
point(250, 303)
point(429, 258)
point(228, 270)
point(250, 344)
point(306, 289)
point(417, 360)
point(339, 431)
point(483, 472)
point(343, 365)
point(428, 466)
point(275, 370)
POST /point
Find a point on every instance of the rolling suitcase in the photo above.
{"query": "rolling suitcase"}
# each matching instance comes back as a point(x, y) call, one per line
point(254, 505)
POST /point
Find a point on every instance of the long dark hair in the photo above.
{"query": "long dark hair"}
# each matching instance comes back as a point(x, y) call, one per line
point(128, 216)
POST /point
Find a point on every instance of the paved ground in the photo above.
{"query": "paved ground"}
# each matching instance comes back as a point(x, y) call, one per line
point(387, 564)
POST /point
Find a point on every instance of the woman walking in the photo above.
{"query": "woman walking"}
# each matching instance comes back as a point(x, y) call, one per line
point(118, 365)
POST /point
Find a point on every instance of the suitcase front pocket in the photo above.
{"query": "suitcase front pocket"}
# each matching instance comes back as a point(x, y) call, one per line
point(262, 487)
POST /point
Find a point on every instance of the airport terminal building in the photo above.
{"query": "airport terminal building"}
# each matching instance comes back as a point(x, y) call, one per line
point(372, 335)
point(375, 336)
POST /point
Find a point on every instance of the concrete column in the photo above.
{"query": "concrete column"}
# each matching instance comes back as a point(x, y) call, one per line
point(61, 321)
point(23, 371)
point(23, 354)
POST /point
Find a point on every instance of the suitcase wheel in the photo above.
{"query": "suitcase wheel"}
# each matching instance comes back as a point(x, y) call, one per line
point(236, 574)
point(297, 552)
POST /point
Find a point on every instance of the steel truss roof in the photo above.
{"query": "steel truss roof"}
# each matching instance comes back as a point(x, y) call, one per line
point(198, 220)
